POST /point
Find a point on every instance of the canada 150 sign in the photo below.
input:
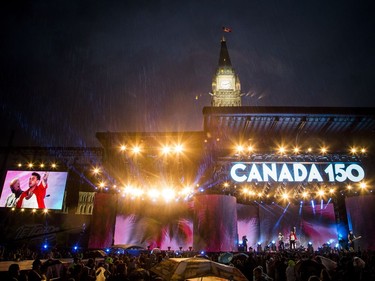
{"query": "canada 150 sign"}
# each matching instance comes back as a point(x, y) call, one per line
point(296, 172)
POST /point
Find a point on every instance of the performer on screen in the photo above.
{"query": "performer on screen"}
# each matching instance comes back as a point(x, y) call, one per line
point(16, 193)
point(281, 241)
point(33, 197)
point(292, 239)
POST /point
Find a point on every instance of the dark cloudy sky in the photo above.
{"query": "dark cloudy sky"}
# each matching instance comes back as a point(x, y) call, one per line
point(72, 68)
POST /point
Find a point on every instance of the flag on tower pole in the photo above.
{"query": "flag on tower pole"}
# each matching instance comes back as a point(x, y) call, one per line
point(227, 29)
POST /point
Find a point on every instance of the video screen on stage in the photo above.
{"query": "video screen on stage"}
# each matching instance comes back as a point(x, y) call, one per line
point(34, 189)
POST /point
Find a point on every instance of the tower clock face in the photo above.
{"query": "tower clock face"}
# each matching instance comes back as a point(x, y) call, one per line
point(225, 84)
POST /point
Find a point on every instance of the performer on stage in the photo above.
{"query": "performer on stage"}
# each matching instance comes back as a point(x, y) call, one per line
point(281, 241)
point(351, 239)
point(292, 239)
point(244, 243)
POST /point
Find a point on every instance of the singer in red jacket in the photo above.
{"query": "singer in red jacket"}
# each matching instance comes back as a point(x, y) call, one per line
point(33, 197)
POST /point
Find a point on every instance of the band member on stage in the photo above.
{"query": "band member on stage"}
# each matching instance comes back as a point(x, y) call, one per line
point(281, 241)
point(292, 239)
point(244, 243)
point(351, 239)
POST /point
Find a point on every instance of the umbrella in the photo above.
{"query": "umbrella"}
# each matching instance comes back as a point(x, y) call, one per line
point(155, 251)
point(305, 268)
point(207, 278)
point(225, 258)
point(202, 256)
point(241, 255)
point(53, 268)
point(96, 254)
point(185, 268)
point(139, 274)
point(328, 263)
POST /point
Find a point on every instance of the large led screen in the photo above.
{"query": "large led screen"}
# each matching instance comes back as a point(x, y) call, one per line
point(33, 189)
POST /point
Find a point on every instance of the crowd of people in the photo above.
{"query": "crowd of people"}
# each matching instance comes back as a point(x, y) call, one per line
point(283, 265)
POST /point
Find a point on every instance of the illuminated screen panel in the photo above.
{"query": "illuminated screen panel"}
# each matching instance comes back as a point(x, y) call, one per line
point(155, 224)
point(49, 196)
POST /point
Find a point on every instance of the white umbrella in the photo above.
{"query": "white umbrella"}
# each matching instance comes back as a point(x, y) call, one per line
point(328, 263)
point(155, 251)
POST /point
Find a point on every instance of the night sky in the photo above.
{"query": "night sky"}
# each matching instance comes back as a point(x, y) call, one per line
point(69, 69)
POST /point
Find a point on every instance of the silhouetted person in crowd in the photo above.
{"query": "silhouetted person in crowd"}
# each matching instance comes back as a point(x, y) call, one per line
point(35, 274)
point(14, 272)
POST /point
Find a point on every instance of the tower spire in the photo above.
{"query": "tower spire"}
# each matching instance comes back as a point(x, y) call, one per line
point(226, 87)
point(224, 59)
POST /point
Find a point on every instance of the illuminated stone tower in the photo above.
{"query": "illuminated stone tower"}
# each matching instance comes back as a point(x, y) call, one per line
point(226, 87)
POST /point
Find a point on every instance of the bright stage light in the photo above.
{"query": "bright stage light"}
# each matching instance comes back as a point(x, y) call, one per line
point(245, 190)
point(282, 149)
point(323, 150)
point(363, 150)
point(305, 194)
point(296, 149)
point(123, 148)
point(153, 194)
point(250, 148)
point(168, 194)
point(239, 148)
point(133, 191)
point(321, 192)
point(362, 185)
point(186, 191)
point(166, 149)
point(178, 148)
point(54, 165)
point(41, 165)
point(96, 170)
point(19, 165)
point(30, 165)
point(136, 149)
point(285, 196)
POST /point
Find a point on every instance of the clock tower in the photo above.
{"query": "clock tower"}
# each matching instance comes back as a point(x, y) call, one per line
point(226, 87)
